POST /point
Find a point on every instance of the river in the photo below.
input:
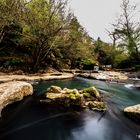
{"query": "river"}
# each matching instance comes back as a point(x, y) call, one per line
point(28, 120)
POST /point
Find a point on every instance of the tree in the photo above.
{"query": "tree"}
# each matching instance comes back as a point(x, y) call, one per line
point(104, 52)
point(10, 13)
point(76, 48)
point(40, 33)
point(43, 21)
point(107, 54)
point(127, 31)
point(10, 31)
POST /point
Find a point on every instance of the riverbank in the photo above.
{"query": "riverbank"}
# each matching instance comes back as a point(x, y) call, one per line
point(105, 75)
point(6, 77)
point(110, 76)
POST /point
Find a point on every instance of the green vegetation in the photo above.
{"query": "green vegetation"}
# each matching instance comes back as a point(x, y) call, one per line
point(40, 33)
point(37, 34)
point(107, 54)
point(126, 35)
point(73, 96)
point(87, 95)
point(92, 91)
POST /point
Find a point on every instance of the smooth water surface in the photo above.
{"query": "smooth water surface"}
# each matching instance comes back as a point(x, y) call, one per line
point(29, 120)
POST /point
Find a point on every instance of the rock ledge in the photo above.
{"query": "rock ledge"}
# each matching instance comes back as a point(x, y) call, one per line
point(133, 112)
point(11, 92)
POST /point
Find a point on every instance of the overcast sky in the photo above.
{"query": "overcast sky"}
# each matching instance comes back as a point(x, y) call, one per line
point(97, 15)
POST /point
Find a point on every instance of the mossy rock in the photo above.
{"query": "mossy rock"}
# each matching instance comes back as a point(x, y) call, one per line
point(71, 91)
point(86, 95)
point(73, 96)
point(66, 98)
point(86, 98)
point(55, 95)
point(92, 91)
point(54, 89)
point(75, 101)
point(94, 105)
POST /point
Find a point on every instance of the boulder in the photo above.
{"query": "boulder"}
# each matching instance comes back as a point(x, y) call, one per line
point(133, 112)
point(87, 98)
point(11, 92)
point(65, 97)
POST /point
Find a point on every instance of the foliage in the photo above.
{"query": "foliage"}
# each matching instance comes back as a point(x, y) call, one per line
point(127, 31)
point(107, 54)
point(43, 33)
point(35, 34)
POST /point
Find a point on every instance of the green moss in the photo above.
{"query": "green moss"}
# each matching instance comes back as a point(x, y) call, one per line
point(73, 96)
point(92, 91)
point(86, 95)
point(96, 105)
point(101, 105)
point(71, 91)
point(54, 89)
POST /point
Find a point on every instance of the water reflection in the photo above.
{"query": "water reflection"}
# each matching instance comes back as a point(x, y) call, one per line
point(105, 129)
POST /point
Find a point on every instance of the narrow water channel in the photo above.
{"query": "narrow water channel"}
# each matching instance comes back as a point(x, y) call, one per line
point(29, 120)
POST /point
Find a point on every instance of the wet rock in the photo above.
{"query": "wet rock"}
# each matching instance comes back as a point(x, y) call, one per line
point(92, 92)
point(54, 89)
point(94, 105)
point(133, 112)
point(14, 91)
point(65, 97)
point(86, 98)
point(70, 91)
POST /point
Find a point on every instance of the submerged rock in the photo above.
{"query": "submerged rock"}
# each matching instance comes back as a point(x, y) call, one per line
point(86, 98)
point(11, 92)
point(133, 112)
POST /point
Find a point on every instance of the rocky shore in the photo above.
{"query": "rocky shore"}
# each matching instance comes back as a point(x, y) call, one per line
point(101, 75)
point(4, 77)
point(105, 75)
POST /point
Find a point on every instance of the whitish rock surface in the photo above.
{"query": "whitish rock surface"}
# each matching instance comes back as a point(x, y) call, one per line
point(11, 92)
point(133, 112)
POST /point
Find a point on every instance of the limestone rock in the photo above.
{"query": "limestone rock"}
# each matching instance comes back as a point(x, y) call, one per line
point(66, 98)
point(11, 92)
point(87, 98)
point(133, 112)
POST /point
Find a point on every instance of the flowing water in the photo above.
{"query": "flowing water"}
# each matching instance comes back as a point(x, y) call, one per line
point(29, 120)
